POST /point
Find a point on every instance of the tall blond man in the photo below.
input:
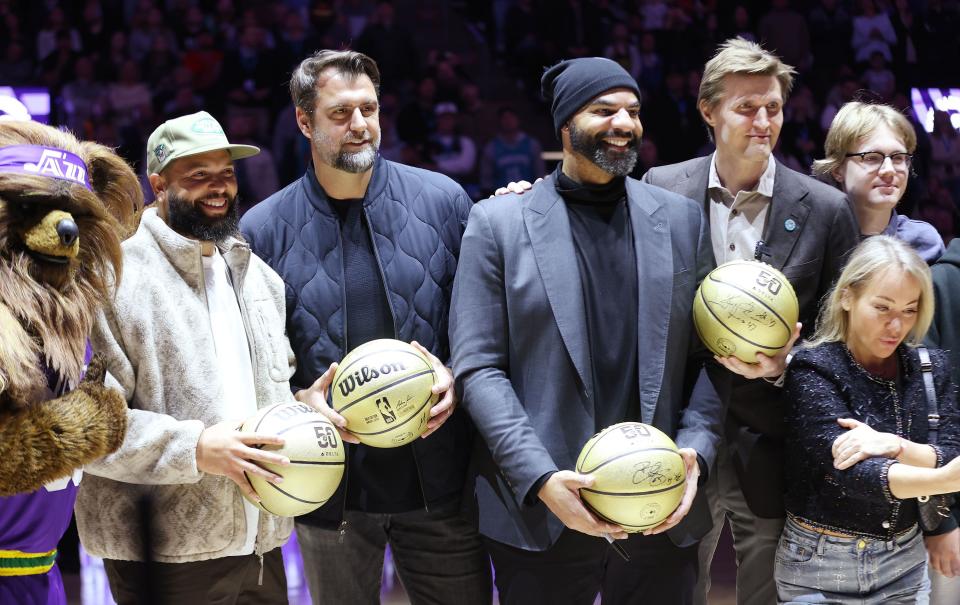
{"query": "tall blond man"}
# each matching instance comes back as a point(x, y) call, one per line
point(757, 208)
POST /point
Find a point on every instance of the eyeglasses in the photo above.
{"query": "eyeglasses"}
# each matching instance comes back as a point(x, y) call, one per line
point(873, 160)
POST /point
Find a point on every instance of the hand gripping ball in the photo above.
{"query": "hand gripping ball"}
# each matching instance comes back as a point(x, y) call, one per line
point(316, 459)
point(745, 307)
point(639, 475)
point(383, 389)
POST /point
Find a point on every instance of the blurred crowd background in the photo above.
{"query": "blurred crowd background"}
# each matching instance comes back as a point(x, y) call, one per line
point(461, 78)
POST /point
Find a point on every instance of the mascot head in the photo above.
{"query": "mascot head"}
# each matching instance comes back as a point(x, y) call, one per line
point(65, 205)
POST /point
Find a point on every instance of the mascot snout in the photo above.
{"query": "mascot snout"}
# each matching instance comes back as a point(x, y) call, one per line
point(55, 238)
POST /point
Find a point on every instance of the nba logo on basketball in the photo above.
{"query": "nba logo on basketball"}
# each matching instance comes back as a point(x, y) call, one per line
point(385, 410)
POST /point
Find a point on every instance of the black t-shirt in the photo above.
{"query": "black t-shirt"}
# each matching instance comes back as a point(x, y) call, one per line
point(379, 480)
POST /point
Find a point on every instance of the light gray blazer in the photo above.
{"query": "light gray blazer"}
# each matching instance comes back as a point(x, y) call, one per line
point(521, 355)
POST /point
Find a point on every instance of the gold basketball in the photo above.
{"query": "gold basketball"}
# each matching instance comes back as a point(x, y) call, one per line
point(639, 476)
point(745, 307)
point(316, 459)
point(383, 389)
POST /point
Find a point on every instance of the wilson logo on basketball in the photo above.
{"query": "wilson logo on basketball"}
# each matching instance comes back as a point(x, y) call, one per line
point(366, 374)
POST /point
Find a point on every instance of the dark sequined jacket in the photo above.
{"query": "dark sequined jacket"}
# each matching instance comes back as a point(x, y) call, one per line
point(825, 383)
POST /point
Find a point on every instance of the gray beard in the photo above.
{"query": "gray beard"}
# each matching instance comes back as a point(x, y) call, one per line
point(354, 163)
point(610, 162)
point(187, 219)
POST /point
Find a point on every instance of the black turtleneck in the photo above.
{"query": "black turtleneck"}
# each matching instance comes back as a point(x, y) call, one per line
point(607, 262)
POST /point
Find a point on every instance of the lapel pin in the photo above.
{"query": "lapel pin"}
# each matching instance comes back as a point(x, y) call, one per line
point(790, 225)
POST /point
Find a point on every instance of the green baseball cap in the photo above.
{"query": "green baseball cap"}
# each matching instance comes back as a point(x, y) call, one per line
point(189, 135)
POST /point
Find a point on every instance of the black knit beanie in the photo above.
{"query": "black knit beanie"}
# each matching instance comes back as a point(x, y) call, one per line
point(569, 85)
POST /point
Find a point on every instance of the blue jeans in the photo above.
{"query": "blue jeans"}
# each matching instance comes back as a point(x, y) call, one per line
point(815, 568)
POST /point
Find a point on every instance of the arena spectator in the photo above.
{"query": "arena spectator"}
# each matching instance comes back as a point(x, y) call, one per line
point(945, 151)
point(453, 153)
point(391, 46)
point(872, 32)
point(83, 99)
point(511, 156)
point(623, 50)
point(784, 31)
point(47, 38)
point(878, 78)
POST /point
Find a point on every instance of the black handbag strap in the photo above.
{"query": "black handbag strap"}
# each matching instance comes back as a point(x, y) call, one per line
point(940, 503)
point(933, 412)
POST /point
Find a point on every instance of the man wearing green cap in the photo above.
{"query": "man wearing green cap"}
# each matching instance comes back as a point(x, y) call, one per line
point(195, 340)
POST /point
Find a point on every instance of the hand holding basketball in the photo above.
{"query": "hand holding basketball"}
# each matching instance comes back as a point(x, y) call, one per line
point(443, 389)
point(223, 450)
point(316, 397)
point(745, 308)
point(766, 366)
point(692, 465)
point(561, 494)
point(385, 390)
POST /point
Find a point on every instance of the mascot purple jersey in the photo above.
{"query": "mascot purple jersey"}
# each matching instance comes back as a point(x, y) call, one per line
point(31, 525)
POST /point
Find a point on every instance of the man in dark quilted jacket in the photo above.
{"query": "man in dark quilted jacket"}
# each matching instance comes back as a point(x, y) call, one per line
point(367, 249)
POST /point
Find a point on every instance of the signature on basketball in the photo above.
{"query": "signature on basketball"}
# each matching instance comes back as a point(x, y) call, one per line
point(749, 314)
point(649, 472)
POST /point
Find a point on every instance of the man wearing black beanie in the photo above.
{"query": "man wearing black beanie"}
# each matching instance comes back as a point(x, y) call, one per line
point(571, 312)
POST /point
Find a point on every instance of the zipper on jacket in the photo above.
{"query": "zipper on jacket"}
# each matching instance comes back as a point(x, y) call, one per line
point(343, 503)
point(343, 291)
point(383, 275)
point(260, 578)
point(237, 281)
point(423, 493)
point(342, 530)
point(396, 334)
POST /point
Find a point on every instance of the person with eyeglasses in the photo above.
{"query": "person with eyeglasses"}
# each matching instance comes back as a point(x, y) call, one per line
point(869, 154)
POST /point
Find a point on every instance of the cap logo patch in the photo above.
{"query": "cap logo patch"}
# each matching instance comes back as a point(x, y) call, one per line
point(160, 151)
point(206, 126)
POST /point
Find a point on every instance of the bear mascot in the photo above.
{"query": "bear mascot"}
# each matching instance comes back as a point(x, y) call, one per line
point(65, 205)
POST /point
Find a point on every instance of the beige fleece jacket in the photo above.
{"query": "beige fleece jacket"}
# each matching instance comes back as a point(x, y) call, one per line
point(158, 343)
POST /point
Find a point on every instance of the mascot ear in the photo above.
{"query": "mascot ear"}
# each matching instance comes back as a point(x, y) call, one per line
point(115, 184)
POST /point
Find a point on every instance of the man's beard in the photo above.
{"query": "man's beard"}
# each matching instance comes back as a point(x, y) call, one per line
point(188, 219)
point(356, 162)
point(593, 148)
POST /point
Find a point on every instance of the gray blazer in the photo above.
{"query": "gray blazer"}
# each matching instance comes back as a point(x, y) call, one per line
point(521, 356)
point(810, 231)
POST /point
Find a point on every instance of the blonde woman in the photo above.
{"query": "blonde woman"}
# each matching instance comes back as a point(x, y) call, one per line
point(869, 153)
point(856, 435)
